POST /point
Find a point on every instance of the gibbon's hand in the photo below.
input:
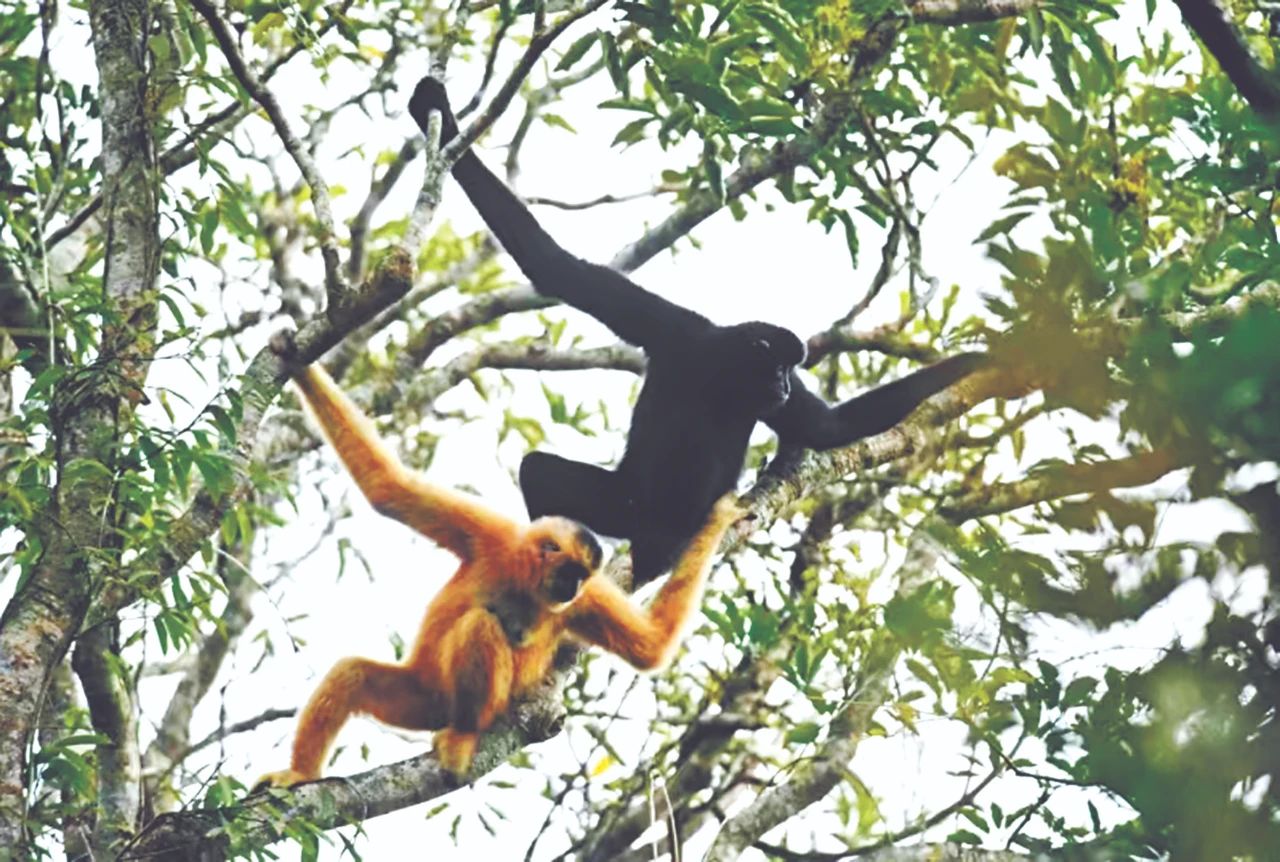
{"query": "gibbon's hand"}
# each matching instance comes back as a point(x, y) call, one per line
point(282, 344)
point(428, 96)
point(729, 510)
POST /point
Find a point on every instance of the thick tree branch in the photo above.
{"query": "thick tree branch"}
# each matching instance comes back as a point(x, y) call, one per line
point(830, 341)
point(1259, 86)
point(950, 12)
point(538, 356)
point(92, 406)
point(113, 710)
point(1215, 320)
point(485, 308)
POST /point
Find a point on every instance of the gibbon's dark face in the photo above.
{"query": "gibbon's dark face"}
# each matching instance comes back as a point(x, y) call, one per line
point(568, 554)
point(755, 365)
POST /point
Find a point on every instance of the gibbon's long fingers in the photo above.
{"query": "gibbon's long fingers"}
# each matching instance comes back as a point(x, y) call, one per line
point(451, 519)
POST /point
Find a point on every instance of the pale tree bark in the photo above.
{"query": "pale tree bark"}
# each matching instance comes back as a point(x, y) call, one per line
point(1259, 85)
point(39, 623)
point(113, 708)
point(172, 741)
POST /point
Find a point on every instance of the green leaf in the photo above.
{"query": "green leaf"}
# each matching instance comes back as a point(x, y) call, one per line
point(577, 51)
point(1079, 691)
point(208, 224)
point(774, 127)
point(613, 62)
point(632, 132)
point(783, 29)
point(1001, 226)
point(964, 836)
point(630, 105)
point(803, 733)
point(224, 423)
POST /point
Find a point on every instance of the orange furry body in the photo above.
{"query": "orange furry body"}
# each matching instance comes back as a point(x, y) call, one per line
point(491, 632)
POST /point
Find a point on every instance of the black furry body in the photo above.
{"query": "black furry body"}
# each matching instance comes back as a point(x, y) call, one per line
point(705, 388)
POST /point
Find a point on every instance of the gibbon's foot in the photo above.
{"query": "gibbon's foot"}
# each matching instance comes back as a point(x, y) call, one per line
point(454, 750)
point(283, 778)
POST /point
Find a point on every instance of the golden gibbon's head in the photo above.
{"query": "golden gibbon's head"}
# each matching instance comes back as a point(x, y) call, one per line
point(565, 554)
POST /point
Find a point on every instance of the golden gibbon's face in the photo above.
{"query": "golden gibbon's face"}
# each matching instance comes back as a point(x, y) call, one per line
point(566, 554)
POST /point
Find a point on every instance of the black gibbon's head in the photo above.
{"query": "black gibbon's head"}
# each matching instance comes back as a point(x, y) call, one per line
point(756, 365)
point(565, 555)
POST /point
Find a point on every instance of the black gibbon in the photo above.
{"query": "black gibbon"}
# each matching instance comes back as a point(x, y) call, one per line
point(490, 634)
point(705, 388)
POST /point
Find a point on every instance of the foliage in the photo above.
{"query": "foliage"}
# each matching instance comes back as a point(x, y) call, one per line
point(918, 604)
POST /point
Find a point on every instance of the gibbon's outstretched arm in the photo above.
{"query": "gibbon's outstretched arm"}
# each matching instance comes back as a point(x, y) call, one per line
point(807, 420)
point(604, 615)
point(636, 315)
point(450, 519)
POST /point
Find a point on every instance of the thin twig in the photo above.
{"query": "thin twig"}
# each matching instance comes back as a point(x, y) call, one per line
point(335, 282)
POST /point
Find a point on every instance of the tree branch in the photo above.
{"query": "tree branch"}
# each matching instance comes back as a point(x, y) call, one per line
point(538, 356)
point(172, 740)
point(1259, 86)
point(952, 12)
point(113, 711)
point(79, 555)
point(1142, 468)
point(537, 45)
point(949, 852)
point(335, 282)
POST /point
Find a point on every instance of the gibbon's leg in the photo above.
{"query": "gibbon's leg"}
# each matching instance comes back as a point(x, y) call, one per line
point(478, 658)
point(606, 616)
point(654, 552)
point(591, 495)
point(393, 694)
